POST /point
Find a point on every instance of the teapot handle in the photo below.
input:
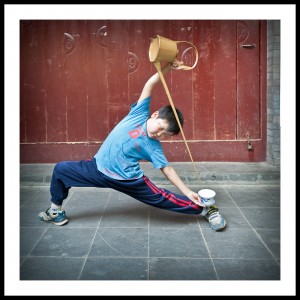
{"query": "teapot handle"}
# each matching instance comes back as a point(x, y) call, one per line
point(196, 51)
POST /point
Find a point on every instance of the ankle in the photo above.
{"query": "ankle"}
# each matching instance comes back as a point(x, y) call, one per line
point(204, 211)
point(55, 207)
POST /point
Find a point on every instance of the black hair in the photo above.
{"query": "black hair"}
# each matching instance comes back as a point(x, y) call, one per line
point(167, 114)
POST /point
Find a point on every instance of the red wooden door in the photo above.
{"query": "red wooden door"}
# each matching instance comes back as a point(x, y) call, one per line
point(78, 79)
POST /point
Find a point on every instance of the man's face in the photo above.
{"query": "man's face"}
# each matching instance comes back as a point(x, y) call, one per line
point(157, 128)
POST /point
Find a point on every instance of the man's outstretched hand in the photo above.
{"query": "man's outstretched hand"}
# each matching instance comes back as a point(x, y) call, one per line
point(177, 65)
point(194, 197)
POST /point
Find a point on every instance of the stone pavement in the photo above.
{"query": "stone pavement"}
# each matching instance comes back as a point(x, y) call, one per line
point(111, 236)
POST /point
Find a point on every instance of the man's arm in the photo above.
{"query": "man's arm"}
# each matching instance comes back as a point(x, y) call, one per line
point(154, 79)
point(171, 174)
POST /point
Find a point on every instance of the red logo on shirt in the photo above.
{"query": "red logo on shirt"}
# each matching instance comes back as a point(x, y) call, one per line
point(135, 133)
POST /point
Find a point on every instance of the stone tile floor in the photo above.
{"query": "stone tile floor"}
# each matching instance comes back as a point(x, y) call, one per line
point(116, 245)
point(111, 236)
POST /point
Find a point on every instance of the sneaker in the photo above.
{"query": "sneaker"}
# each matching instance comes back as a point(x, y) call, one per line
point(55, 217)
point(216, 221)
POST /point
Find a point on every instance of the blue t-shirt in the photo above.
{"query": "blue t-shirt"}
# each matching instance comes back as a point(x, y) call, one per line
point(128, 143)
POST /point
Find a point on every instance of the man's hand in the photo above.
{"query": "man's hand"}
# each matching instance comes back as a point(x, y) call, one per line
point(194, 197)
point(177, 65)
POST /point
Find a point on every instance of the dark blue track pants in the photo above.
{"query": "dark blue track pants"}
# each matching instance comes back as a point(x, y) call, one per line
point(84, 173)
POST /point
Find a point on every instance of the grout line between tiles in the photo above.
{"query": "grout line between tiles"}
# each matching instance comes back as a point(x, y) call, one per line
point(212, 261)
point(93, 239)
point(253, 229)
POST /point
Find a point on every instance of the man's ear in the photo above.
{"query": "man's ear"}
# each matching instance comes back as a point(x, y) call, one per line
point(155, 114)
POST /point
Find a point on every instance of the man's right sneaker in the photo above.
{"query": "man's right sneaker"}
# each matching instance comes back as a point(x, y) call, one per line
point(213, 216)
point(56, 217)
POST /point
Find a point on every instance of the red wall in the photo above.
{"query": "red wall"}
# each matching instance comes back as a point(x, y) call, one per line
point(78, 79)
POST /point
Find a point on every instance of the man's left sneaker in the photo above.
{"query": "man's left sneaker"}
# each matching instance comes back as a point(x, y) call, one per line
point(213, 216)
point(56, 217)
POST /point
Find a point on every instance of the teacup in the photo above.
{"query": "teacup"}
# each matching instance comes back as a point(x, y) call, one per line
point(207, 197)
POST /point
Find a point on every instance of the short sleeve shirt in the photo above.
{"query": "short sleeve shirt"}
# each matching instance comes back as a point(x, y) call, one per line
point(128, 143)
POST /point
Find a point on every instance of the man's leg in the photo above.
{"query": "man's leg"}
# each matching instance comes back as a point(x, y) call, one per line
point(147, 192)
point(65, 175)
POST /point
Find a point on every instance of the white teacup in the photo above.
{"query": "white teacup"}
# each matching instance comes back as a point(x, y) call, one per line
point(207, 197)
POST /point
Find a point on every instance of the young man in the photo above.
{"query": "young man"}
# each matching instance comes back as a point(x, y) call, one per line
point(116, 164)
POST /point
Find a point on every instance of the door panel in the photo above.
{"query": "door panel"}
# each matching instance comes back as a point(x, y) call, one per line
point(225, 80)
point(204, 83)
point(248, 101)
